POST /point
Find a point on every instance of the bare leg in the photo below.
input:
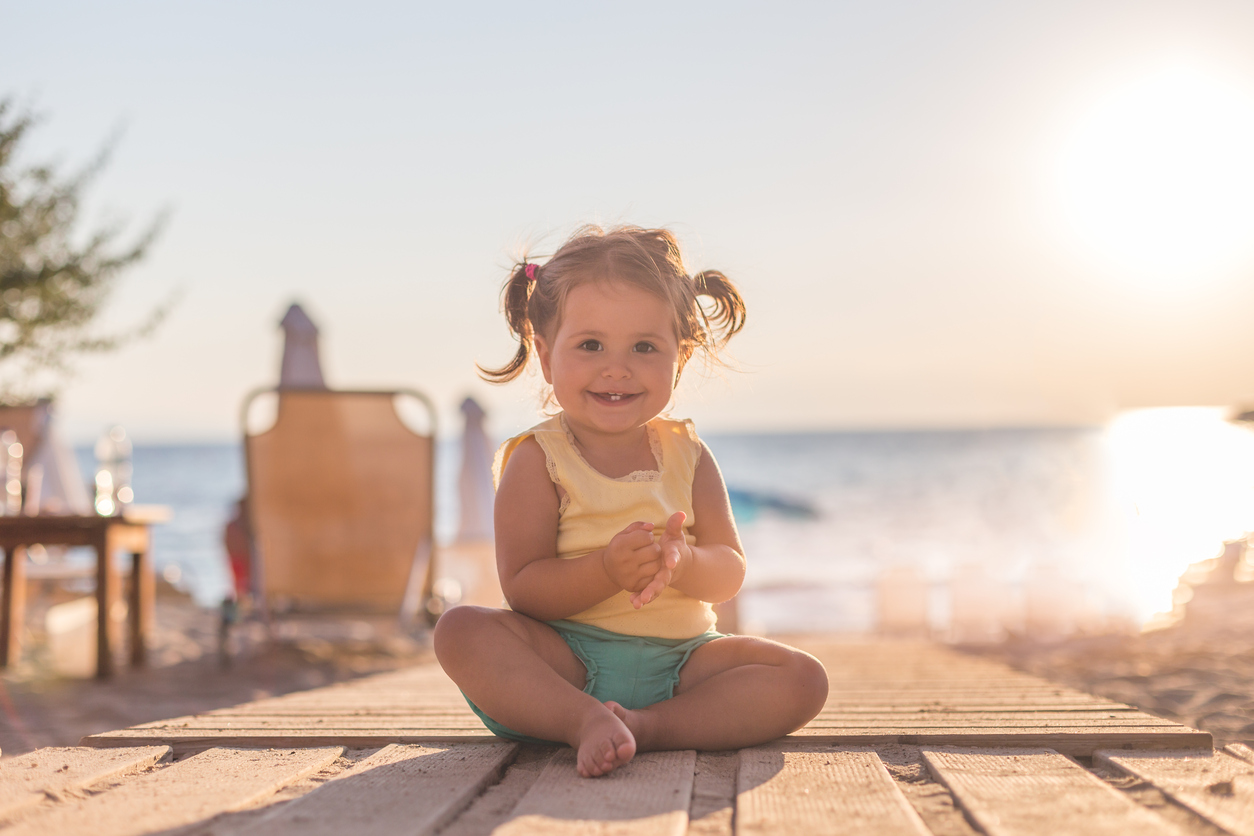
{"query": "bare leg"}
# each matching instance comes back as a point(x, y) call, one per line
point(522, 674)
point(733, 692)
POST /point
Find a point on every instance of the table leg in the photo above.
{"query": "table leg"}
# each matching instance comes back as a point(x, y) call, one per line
point(13, 606)
point(141, 605)
point(107, 589)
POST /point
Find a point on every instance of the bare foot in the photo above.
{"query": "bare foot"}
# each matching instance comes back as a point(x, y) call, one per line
point(633, 720)
point(605, 743)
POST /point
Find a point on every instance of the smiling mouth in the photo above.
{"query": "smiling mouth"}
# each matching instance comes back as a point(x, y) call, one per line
point(613, 397)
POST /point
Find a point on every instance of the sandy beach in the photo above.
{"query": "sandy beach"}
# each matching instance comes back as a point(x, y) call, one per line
point(1203, 679)
point(39, 708)
point(1198, 671)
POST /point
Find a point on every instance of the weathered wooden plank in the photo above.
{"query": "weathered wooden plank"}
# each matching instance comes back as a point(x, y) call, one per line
point(315, 724)
point(1003, 682)
point(495, 805)
point(1038, 792)
point(903, 707)
point(29, 779)
point(1079, 741)
point(939, 720)
point(353, 739)
point(918, 694)
point(399, 789)
point(189, 791)
point(1068, 741)
point(784, 790)
point(1216, 786)
point(920, 723)
point(888, 706)
point(713, 794)
point(907, 696)
point(647, 797)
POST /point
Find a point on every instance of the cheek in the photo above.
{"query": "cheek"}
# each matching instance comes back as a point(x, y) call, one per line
point(664, 373)
point(564, 371)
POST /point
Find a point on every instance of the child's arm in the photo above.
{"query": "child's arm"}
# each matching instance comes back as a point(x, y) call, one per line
point(713, 568)
point(535, 581)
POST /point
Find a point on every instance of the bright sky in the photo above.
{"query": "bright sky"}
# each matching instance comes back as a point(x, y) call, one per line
point(961, 213)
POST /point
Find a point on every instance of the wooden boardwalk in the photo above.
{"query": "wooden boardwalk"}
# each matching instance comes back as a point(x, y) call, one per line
point(914, 739)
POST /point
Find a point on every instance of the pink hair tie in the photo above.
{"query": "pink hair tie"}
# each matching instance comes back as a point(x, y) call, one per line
point(530, 270)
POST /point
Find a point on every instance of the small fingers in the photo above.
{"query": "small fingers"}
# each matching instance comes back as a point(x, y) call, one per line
point(654, 588)
point(637, 539)
point(646, 574)
point(638, 525)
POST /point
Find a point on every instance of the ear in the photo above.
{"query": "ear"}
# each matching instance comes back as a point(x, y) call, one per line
point(545, 355)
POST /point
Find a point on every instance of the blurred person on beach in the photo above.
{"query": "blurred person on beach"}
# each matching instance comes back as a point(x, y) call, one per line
point(237, 536)
point(614, 532)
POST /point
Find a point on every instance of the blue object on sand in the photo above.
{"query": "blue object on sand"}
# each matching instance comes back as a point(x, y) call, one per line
point(747, 505)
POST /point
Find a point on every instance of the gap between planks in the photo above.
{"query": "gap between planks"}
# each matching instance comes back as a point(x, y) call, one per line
point(1038, 792)
point(1215, 785)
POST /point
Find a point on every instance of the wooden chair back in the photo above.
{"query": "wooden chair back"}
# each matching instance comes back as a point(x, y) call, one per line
point(30, 422)
point(341, 496)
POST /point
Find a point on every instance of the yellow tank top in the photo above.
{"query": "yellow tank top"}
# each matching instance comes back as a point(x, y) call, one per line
point(596, 507)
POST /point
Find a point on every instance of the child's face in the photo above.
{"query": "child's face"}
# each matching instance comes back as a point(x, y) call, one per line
point(613, 361)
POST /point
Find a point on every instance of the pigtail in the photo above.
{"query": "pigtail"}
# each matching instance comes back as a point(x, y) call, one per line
point(514, 299)
point(728, 314)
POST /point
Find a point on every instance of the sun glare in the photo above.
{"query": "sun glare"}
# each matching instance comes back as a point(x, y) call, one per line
point(1184, 479)
point(1158, 177)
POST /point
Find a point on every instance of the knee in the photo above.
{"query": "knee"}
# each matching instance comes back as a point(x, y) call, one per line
point(809, 680)
point(455, 629)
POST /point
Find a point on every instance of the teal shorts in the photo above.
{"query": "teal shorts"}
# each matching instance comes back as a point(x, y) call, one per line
point(633, 671)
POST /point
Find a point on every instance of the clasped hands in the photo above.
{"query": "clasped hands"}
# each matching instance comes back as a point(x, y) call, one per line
point(645, 567)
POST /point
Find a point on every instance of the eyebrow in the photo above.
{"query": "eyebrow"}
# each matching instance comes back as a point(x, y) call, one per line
point(642, 335)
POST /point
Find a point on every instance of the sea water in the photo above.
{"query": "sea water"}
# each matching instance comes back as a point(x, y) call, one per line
point(1082, 527)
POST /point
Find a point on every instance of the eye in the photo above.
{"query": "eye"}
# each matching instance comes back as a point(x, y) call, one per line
point(590, 345)
point(644, 348)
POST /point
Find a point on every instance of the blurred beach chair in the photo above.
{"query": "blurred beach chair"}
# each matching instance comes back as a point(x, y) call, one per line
point(340, 505)
point(50, 479)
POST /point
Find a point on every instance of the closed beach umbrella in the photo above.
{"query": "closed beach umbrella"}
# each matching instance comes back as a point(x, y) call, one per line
point(469, 562)
point(301, 367)
point(475, 480)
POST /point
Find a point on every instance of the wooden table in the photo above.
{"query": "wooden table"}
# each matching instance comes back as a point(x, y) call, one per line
point(915, 740)
point(107, 535)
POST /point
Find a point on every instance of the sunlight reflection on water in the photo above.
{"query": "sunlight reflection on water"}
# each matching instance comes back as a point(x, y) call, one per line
point(1183, 481)
point(1050, 530)
point(1088, 528)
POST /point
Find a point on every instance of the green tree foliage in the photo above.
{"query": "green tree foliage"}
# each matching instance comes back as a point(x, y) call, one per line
point(54, 279)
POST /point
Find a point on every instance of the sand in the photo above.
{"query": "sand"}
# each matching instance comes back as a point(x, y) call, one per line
point(40, 708)
point(1198, 671)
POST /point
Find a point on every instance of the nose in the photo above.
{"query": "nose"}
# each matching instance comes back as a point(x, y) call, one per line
point(616, 368)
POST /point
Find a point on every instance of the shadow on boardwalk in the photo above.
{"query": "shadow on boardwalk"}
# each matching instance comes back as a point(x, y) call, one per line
point(38, 708)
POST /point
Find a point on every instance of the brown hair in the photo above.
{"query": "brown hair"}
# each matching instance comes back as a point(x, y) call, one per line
point(646, 258)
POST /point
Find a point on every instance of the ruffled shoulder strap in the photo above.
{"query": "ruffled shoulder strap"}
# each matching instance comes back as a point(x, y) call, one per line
point(543, 432)
point(681, 448)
